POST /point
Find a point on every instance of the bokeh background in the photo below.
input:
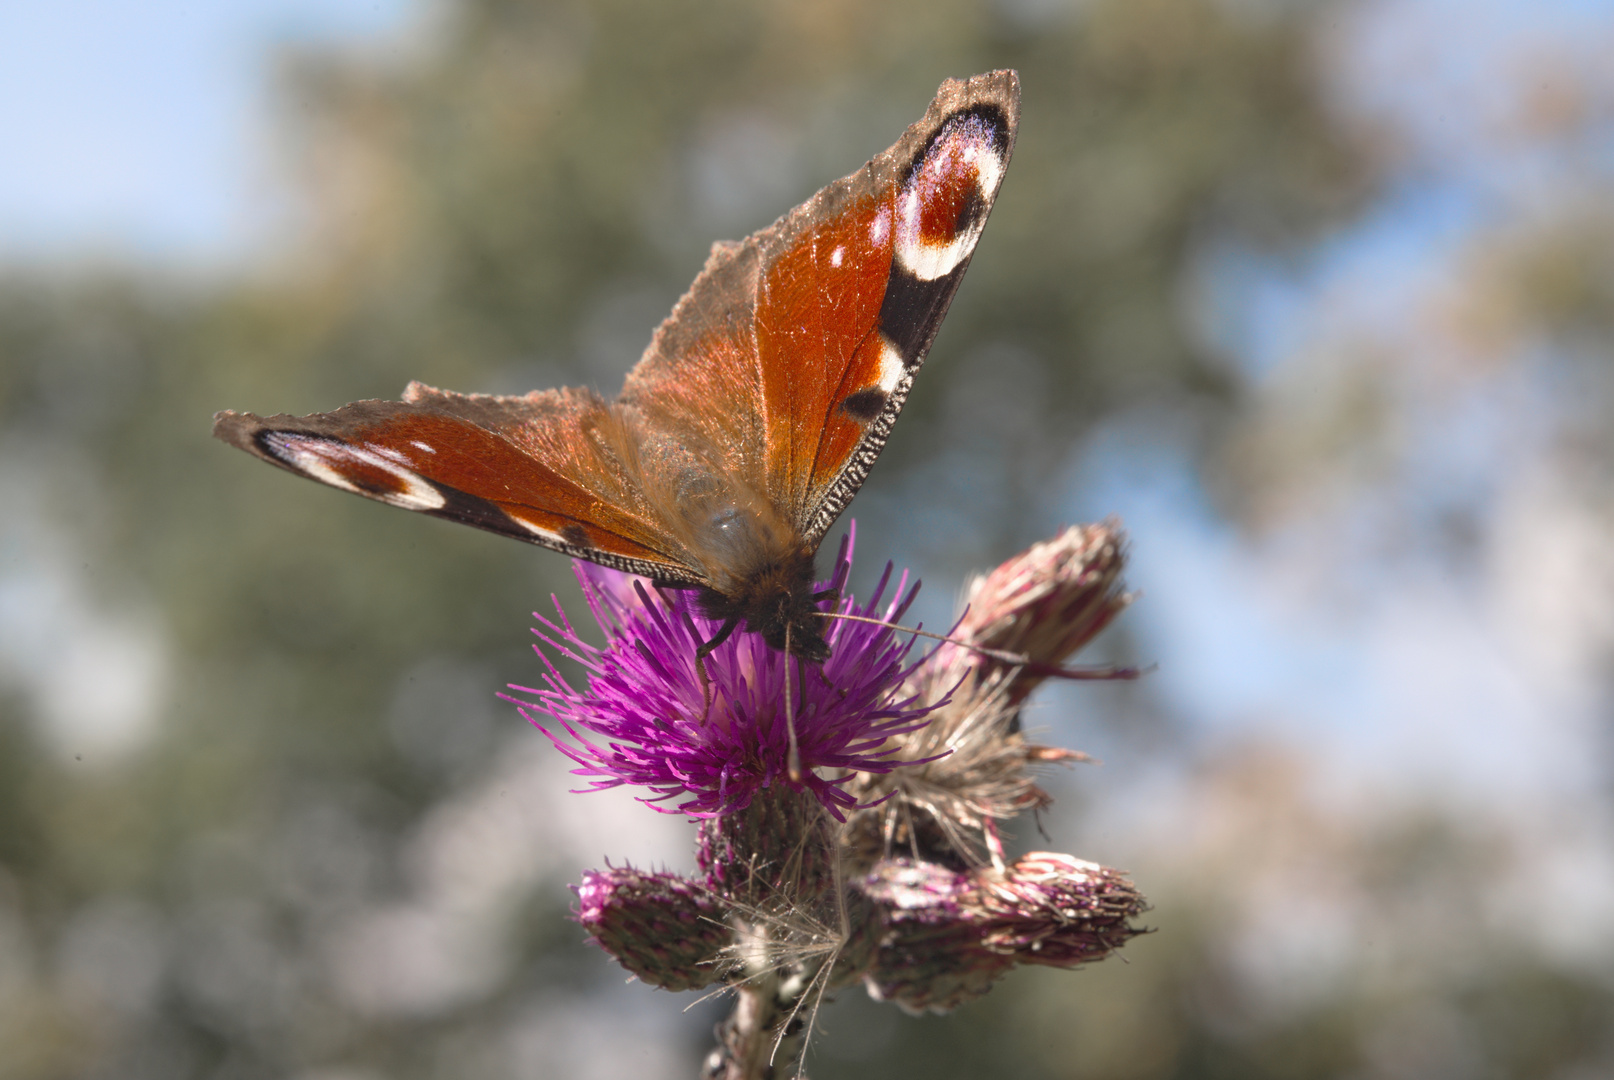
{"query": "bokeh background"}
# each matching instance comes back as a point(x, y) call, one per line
point(1318, 297)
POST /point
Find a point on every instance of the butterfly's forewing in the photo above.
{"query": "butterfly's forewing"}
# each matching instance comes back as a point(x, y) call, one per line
point(823, 318)
point(548, 468)
point(864, 292)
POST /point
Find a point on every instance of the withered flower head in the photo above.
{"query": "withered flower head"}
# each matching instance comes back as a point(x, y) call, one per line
point(951, 934)
point(1046, 603)
point(972, 766)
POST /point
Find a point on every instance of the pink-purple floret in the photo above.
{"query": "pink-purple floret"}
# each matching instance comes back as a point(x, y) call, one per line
point(644, 698)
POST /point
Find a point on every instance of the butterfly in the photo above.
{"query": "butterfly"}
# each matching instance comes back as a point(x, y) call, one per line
point(750, 421)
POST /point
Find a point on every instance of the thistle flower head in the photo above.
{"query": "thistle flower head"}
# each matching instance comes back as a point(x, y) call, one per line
point(645, 717)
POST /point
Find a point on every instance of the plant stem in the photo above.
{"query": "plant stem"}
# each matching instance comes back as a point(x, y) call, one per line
point(763, 1038)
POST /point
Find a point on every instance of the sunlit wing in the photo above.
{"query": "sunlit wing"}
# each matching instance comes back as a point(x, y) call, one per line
point(757, 411)
point(793, 352)
point(553, 468)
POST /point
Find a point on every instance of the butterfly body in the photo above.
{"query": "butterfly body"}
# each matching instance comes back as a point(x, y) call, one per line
point(752, 418)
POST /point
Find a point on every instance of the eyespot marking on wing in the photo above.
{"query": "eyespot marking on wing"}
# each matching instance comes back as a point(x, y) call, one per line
point(570, 535)
point(865, 404)
point(943, 203)
point(379, 472)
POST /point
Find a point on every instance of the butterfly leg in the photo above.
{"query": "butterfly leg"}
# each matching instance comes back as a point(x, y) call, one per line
point(702, 653)
point(722, 635)
point(801, 689)
point(841, 690)
point(833, 595)
point(706, 686)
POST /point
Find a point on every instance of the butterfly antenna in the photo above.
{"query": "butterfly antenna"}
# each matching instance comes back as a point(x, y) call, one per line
point(1019, 660)
point(793, 761)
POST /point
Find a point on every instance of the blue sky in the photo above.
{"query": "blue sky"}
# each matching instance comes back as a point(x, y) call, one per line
point(139, 128)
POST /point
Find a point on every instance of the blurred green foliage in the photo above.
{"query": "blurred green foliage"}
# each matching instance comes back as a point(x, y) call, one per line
point(515, 199)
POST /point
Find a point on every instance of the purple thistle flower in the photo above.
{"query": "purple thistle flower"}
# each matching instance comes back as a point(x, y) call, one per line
point(644, 698)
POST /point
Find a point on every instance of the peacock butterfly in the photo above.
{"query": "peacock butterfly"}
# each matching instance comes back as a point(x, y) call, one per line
point(751, 420)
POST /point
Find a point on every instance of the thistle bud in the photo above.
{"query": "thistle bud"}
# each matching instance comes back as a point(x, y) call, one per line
point(668, 931)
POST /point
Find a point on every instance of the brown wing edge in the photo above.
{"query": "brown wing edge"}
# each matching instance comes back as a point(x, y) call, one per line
point(248, 431)
point(719, 301)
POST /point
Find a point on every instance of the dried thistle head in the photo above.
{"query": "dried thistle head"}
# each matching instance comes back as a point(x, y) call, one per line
point(973, 767)
point(1046, 603)
point(950, 935)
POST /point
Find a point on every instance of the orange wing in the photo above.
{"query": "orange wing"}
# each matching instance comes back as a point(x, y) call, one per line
point(755, 414)
point(794, 350)
point(554, 467)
